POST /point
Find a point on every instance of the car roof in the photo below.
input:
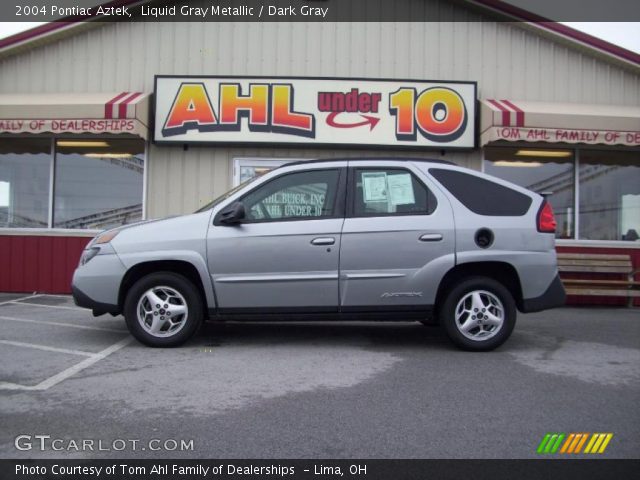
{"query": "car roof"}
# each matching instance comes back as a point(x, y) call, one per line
point(352, 159)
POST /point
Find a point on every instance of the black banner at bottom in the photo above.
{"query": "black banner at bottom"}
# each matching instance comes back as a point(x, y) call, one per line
point(326, 469)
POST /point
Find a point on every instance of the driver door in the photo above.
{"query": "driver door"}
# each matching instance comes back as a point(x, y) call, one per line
point(284, 255)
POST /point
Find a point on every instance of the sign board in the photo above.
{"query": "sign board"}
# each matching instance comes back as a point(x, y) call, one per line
point(320, 111)
point(550, 122)
point(70, 125)
point(556, 135)
point(60, 113)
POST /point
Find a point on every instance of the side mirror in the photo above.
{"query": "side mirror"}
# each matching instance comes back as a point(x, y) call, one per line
point(233, 214)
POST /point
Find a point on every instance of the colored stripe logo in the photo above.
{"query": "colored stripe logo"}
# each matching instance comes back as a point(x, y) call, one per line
point(507, 108)
point(117, 106)
point(573, 443)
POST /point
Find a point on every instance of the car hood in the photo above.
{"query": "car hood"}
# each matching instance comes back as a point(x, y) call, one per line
point(129, 226)
point(171, 233)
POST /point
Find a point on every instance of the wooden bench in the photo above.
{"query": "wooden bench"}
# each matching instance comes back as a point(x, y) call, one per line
point(620, 267)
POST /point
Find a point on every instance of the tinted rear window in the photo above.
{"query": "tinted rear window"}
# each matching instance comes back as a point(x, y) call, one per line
point(482, 196)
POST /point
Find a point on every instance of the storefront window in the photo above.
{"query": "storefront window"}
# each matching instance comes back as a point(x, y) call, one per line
point(25, 165)
point(98, 183)
point(546, 171)
point(609, 195)
point(247, 168)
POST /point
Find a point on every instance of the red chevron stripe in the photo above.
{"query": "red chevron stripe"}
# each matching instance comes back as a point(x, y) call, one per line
point(506, 115)
point(108, 107)
point(122, 107)
point(519, 113)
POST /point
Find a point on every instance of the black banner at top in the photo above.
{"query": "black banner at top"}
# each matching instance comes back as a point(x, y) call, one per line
point(319, 10)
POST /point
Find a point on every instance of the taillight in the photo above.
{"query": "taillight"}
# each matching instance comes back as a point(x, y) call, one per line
point(546, 219)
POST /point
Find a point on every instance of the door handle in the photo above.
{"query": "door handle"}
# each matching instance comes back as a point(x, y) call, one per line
point(323, 241)
point(431, 237)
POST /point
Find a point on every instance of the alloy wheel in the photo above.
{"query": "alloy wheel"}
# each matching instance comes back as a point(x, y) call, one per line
point(479, 315)
point(162, 311)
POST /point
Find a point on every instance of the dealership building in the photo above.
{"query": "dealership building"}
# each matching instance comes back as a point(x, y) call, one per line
point(104, 124)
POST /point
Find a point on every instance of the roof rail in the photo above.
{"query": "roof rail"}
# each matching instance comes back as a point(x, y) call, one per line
point(343, 159)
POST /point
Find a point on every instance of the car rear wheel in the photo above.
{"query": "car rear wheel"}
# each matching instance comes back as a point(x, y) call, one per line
point(163, 309)
point(478, 314)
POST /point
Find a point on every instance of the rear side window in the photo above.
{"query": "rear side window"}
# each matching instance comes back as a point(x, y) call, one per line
point(482, 196)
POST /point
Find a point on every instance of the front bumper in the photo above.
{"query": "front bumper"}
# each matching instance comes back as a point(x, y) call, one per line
point(554, 296)
point(96, 284)
point(81, 299)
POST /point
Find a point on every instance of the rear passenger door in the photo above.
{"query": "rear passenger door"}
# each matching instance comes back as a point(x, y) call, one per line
point(397, 240)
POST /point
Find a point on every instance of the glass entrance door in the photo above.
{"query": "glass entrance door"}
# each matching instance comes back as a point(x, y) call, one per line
point(246, 168)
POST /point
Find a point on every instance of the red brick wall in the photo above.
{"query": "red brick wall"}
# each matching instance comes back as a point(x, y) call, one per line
point(42, 264)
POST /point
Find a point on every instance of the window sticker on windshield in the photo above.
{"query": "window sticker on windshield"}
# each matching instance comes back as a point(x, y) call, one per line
point(401, 189)
point(374, 185)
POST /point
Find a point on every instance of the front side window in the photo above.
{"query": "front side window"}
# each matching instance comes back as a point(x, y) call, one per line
point(294, 196)
point(380, 192)
point(25, 165)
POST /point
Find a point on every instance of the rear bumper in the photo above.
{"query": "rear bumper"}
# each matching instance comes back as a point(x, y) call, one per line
point(554, 296)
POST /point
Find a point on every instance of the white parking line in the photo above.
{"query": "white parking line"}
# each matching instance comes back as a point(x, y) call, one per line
point(48, 349)
point(69, 372)
point(19, 302)
point(60, 324)
point(55, 295)
point(21, 298)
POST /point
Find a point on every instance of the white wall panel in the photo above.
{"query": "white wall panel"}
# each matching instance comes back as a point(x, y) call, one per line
point(505, 59)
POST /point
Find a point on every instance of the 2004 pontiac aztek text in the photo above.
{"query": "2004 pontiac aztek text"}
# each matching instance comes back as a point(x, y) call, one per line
point(335, 239)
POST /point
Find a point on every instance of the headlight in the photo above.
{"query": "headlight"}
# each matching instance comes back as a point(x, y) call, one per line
point(106, 237)
point(88, 255)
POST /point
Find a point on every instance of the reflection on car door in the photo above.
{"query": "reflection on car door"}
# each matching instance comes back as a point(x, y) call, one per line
point(397, 241)
point(284, 256)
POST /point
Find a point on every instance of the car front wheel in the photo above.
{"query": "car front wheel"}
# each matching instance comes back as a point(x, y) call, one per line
point(163, 309)
point(478, 314)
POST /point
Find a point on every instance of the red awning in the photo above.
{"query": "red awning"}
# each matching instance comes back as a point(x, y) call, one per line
point(518, 121)
point(98, 113)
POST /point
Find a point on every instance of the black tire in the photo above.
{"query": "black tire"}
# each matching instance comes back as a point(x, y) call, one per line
point(181, 285)
point(447, 314)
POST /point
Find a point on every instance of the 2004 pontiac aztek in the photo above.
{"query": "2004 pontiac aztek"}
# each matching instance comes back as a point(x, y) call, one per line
point(340, 239)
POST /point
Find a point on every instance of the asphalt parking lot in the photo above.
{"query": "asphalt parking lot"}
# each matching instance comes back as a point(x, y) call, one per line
point(320, 390)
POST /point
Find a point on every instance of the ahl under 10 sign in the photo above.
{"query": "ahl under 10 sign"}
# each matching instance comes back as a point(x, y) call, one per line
point(323, 111)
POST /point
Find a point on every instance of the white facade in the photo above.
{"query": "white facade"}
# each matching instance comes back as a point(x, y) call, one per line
point(507, 60)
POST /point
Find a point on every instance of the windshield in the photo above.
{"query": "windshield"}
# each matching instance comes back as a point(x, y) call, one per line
point(224, 196)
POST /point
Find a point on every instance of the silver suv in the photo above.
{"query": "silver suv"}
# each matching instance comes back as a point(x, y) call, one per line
point(344, 239)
